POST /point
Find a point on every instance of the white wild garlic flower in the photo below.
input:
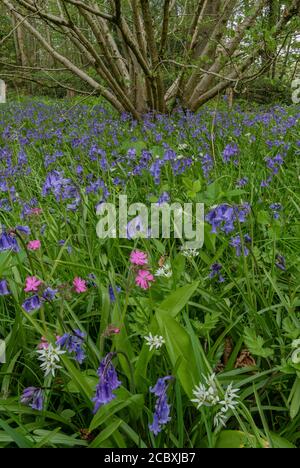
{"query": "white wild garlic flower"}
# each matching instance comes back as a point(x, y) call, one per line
point(190, 253)
point(154, 342)
point(164, 271)
point(209, 395)
point(50, 358)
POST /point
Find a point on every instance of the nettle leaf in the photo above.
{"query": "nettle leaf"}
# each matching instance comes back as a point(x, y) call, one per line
point(255, 343)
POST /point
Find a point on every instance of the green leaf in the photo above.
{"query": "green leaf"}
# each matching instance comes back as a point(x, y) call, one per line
point(236, 439)
point(169, 307)
point(58, 439)
point(106, 433)
point(80, 381)
point(107, 411)
point(175, 302)
point(209, 238)
point(180, 351)
point(263, 217)
point(211, 320)
point(294, 398)
point(255, 343)
point(19, 439)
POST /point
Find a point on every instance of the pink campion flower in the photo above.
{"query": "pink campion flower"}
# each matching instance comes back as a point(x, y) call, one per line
point(144, 278)
point(34, 245)
point(32, 284)
point(43, 343)
point(137, 257)
point(35, 211)
point(111, 330)
point(79, 285)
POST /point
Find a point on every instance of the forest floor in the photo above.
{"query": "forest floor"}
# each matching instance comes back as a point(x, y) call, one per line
point(137, 340)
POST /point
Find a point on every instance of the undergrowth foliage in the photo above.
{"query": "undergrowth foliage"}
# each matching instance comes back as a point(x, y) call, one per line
point(136, 342)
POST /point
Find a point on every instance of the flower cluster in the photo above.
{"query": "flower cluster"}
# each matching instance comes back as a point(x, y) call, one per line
point(225, 217)
point(43, 294)
point(161, 414)
point(108, 382)
point(208, 394)
point(276, 208)
point(216, 272)
point(143, 277)
point(154, 342)
point(164, 271)
point(73, 343)
point(4, 290)
point(50, 358)
point(33, 397)
point(230, 151)
point(240, 246)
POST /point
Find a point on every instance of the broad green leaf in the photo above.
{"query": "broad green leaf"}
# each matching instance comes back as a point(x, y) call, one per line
point(176, 301)
point(294, 398)
point(107, 411)
point(106, 433)
point(180, 351)
point(19, 439)
point(237, 439)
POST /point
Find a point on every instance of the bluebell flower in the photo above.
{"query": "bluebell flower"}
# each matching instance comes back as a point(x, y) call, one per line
point(73, 343)
point(276, 208)
point(274, 163)
point(49, 294)
point(280, 262)
point(266, 183)
point(230, 151)
point(225, 216)
point(135, 228)
point(24, 230)
point(4, 288)
point(164, 198)
point(108, 381)
point(161, 414)
point(8, 242)
point(215, 271)
point(112, 293)
point(237, 244)
point(207, 164)
point(32, 303)
point(33, 397)
point(242, 182)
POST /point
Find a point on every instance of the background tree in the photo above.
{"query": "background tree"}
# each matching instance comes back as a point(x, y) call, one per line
point(144, 55)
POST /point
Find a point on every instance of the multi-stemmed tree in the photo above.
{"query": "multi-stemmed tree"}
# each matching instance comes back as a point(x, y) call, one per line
point(146, 55)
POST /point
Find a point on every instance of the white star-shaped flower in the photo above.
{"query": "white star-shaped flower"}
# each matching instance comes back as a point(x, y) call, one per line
point(154, 342)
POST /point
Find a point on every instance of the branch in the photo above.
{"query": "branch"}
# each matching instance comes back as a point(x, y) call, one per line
point(66, 62)
point(43, 84)
point(221, 61)
point(90, 9)
point(158, 88)
point(14, 29)
point(182, 65)
point(165, 28)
